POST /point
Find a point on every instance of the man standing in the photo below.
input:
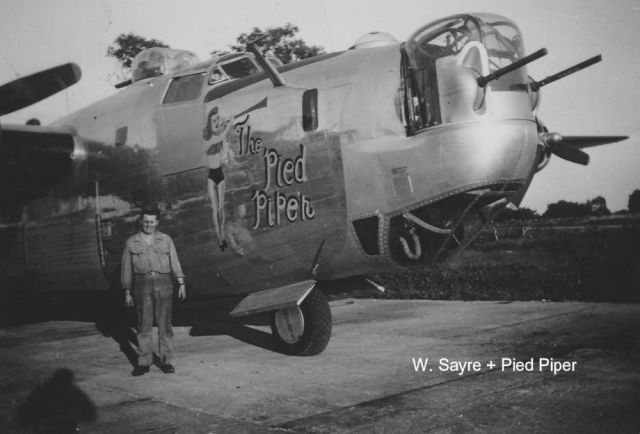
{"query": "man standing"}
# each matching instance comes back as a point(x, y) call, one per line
point(149, 261)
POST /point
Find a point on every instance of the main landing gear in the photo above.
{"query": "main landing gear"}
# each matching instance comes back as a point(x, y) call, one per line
point(303, 330)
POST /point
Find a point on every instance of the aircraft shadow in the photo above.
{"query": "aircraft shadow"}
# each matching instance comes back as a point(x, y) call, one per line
point(205, 316)
point(211, 318)
point(241, 332)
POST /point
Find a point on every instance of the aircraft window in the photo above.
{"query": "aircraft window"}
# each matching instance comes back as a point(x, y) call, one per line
point(310, 110)
point(156, 61)
point(145, 69)
point(448, 38)
point(239, 68)
point(185, 88)
point(442, 38)
point(504, 46)
point(121, 136)
point(217, 76)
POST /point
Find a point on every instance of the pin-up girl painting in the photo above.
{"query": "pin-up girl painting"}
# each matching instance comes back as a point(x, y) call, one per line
point(216, 149)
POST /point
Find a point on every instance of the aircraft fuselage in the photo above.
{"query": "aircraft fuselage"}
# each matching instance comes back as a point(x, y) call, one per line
point(369, 160)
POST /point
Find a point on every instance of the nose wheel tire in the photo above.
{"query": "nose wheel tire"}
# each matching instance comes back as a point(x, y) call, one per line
point(303, 330)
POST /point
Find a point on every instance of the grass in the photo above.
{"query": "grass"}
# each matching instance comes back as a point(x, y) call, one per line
point(569, 260)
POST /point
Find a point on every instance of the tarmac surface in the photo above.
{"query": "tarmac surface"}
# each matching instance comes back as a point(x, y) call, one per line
point(230, 379)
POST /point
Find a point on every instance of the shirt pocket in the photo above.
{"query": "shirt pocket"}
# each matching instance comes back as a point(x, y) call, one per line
point(137, 259)
point(161, 255)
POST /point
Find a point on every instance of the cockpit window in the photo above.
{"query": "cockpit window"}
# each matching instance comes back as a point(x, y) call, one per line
point(216, 76)
point(185, 88)
point(239, 68)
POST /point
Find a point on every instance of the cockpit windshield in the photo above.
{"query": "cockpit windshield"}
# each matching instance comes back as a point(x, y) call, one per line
point(239, 68)
point(237, 65)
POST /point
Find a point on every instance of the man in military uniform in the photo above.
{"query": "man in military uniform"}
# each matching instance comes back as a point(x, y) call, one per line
point(149, 262)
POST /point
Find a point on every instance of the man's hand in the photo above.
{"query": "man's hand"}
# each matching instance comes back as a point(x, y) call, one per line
point(182, 292)
point(128, 300)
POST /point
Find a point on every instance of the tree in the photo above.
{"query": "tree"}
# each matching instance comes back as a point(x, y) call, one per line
point(564, 209)
point(598, 206)
point(521, 214)
point(634, 201)
point(281, 41)
point(127, 45)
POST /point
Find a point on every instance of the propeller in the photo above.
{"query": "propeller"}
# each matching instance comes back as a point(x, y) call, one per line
point(568, 147)
point(29, 90)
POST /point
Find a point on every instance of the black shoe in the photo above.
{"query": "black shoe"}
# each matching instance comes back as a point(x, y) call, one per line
point(140, 370)
point(168, 368)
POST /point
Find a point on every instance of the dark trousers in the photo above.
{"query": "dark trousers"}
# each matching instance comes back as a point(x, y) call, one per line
point(154, 301)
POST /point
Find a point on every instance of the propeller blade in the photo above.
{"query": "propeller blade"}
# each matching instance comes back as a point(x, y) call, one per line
point(589, 141)
point(568, 147)
point(29, 90)
point(570, 153)
point(555, 143)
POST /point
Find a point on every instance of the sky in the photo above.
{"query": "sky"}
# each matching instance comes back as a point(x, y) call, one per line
point(603, 99)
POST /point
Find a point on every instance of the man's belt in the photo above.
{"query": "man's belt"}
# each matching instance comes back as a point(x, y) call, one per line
point(151, 274)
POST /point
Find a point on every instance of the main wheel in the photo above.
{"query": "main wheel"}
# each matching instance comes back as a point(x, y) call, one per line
point(303, 330)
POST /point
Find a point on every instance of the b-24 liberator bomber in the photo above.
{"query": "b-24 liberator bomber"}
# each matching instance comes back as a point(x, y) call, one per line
point(279, 183)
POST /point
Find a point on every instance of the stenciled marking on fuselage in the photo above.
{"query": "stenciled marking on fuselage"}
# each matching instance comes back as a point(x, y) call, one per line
point(271, 205)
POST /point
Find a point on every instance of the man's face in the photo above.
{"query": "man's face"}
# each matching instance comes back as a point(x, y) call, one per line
point(149, 223)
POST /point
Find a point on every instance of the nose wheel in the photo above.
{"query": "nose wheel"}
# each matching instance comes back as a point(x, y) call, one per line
point(303, 330)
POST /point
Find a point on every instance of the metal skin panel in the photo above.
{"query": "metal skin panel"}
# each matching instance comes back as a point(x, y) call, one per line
point(179, 133)
point(65, 252)
point(439, 161)
point(284, 204)
point(59, 248)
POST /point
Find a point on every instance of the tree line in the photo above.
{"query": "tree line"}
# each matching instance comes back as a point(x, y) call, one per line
point(281, 41)
point(596, 207)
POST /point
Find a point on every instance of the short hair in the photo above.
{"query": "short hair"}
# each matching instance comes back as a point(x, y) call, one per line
point(150, 211)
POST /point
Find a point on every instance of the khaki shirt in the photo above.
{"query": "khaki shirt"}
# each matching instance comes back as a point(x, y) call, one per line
point(141, 258)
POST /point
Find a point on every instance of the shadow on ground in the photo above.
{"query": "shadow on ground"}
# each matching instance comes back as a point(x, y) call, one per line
point(205, 316)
